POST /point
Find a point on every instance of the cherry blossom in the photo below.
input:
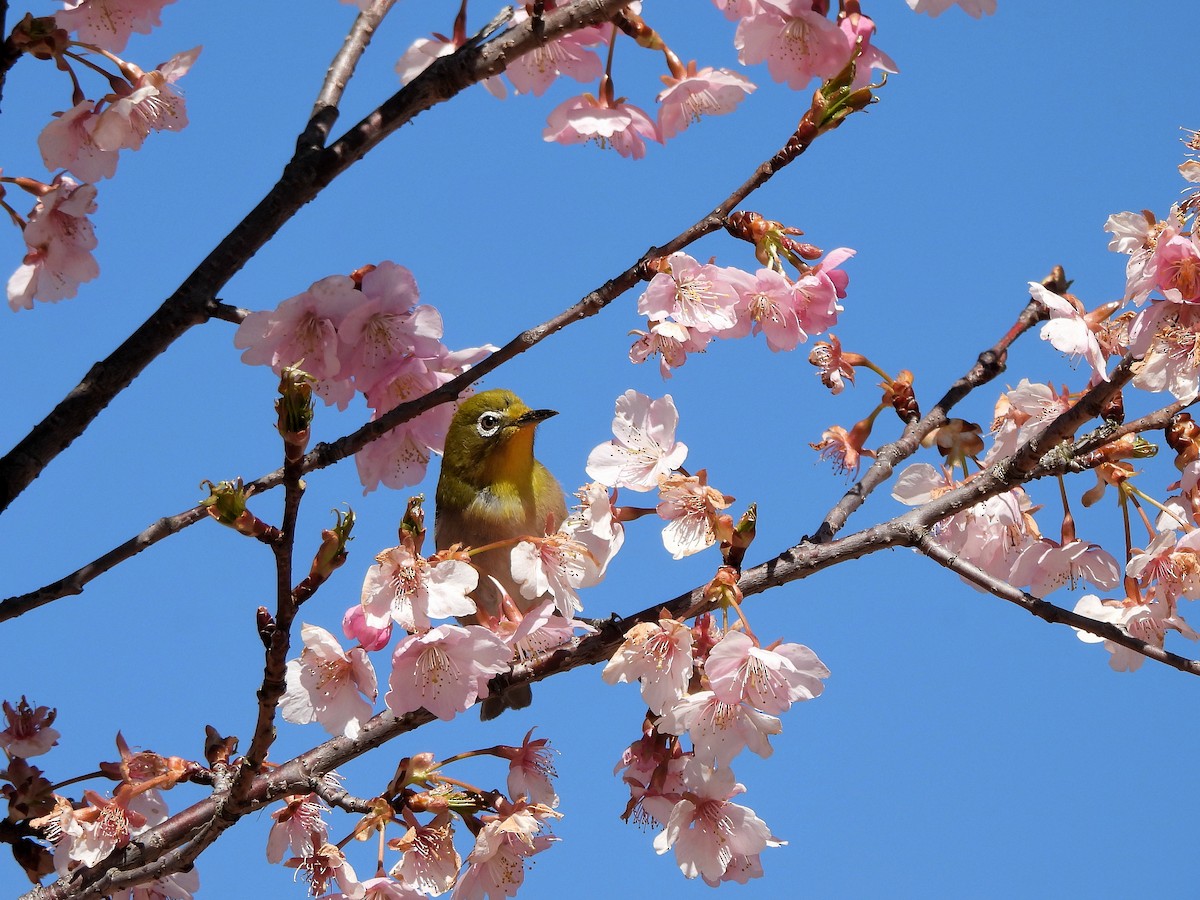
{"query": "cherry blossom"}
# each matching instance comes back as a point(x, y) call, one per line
point(496, 865)
point(659, 655)
point(720, 730)
point(385, 325)
point(1176, 267)
point(654, 777)
point(708, 831)
point(534, 72)
point(59, 240)
point(1045, 566)
point(699, 296)
point(370, 637)
point(593, 525)
point(404, 587)
point(608, 123)
point(153, 105)
point(796, 43)
point(326, 867)
point(690, 507)
point(298, 827)
point(833, 368)
point(302, 332)
point(328, 685)
point(28, 732)
point(556, 565)
point(1068, 330)
point(104, 824)
point(68, 142)
point(707, 92)
point(444, 670)
point(768, 679)
point(1149, 623)
point(109, 23)
point(768, 303)
point(530, 770)
point(670, 342)
point(429, 860)
point(643, 448)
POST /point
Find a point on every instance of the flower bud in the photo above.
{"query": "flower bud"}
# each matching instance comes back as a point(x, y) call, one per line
point(332, 552)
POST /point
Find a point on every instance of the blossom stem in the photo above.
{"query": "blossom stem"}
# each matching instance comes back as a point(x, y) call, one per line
point(77, 779)
point(1135, 491)
point(1068, 525)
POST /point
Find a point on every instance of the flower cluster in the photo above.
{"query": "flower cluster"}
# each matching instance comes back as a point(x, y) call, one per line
point(365, 333)
point(86, 139)
point(723, 692)
point(688, 304)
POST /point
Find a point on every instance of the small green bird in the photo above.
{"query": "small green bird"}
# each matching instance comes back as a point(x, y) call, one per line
point(491, 489)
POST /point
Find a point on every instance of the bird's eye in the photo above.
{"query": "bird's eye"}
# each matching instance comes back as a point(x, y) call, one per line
point(488, 424)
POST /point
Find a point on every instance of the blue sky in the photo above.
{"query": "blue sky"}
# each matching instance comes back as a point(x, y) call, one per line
point(961, 748)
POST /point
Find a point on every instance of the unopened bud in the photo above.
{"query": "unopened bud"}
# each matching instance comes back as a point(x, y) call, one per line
point(294, 409)
point(412, 526)
point(1114, 409)
point(723, 590)
point(332, 552)
point(226, 502)
point(218, 750)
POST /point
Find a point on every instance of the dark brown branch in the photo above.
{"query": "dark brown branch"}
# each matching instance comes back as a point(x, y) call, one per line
point(302, 179)
point(9, 54)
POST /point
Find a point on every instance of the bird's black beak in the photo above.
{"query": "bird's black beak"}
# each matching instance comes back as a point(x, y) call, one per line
point(534, 416)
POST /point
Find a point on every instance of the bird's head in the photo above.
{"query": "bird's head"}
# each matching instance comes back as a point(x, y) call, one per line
point(491, 438)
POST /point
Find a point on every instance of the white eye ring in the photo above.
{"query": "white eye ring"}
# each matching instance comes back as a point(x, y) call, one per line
point(488, 424)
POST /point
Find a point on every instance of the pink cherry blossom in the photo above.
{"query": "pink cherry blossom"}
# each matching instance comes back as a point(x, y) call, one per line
point(654, 777)
point(720, 730)
point(707, 92)
point(496, 865)
point(833, 368)
point(659, 655)
point(530, 770)
point(671, 342)
point(1069, 331)
point(935, 8)
point(302, 332)
point(697, 295)
point(768, 679)
point(691, 507)
point(298, 827)
point(736, 9)
point(707, 830)
point(403, 587)
point(616, 124)
point(68, 143)
point(796, 43)
point(768, 303)
point(387, 324)
point(1045, 566)
point(1148, 622)
point(445, 670)
point(109, 23)
point(28, 732)
point(592, 524)
point(643, 448)
point(429, 862)
point(556, 565)
point(104, 824)
point(59, 240)
point(326, 867)
point(328, 685)
point(153, 105)
point(370, 637)
point(567, 55)
point(1176, 266)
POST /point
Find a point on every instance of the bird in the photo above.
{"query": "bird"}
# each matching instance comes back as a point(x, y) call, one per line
point(491, 490)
